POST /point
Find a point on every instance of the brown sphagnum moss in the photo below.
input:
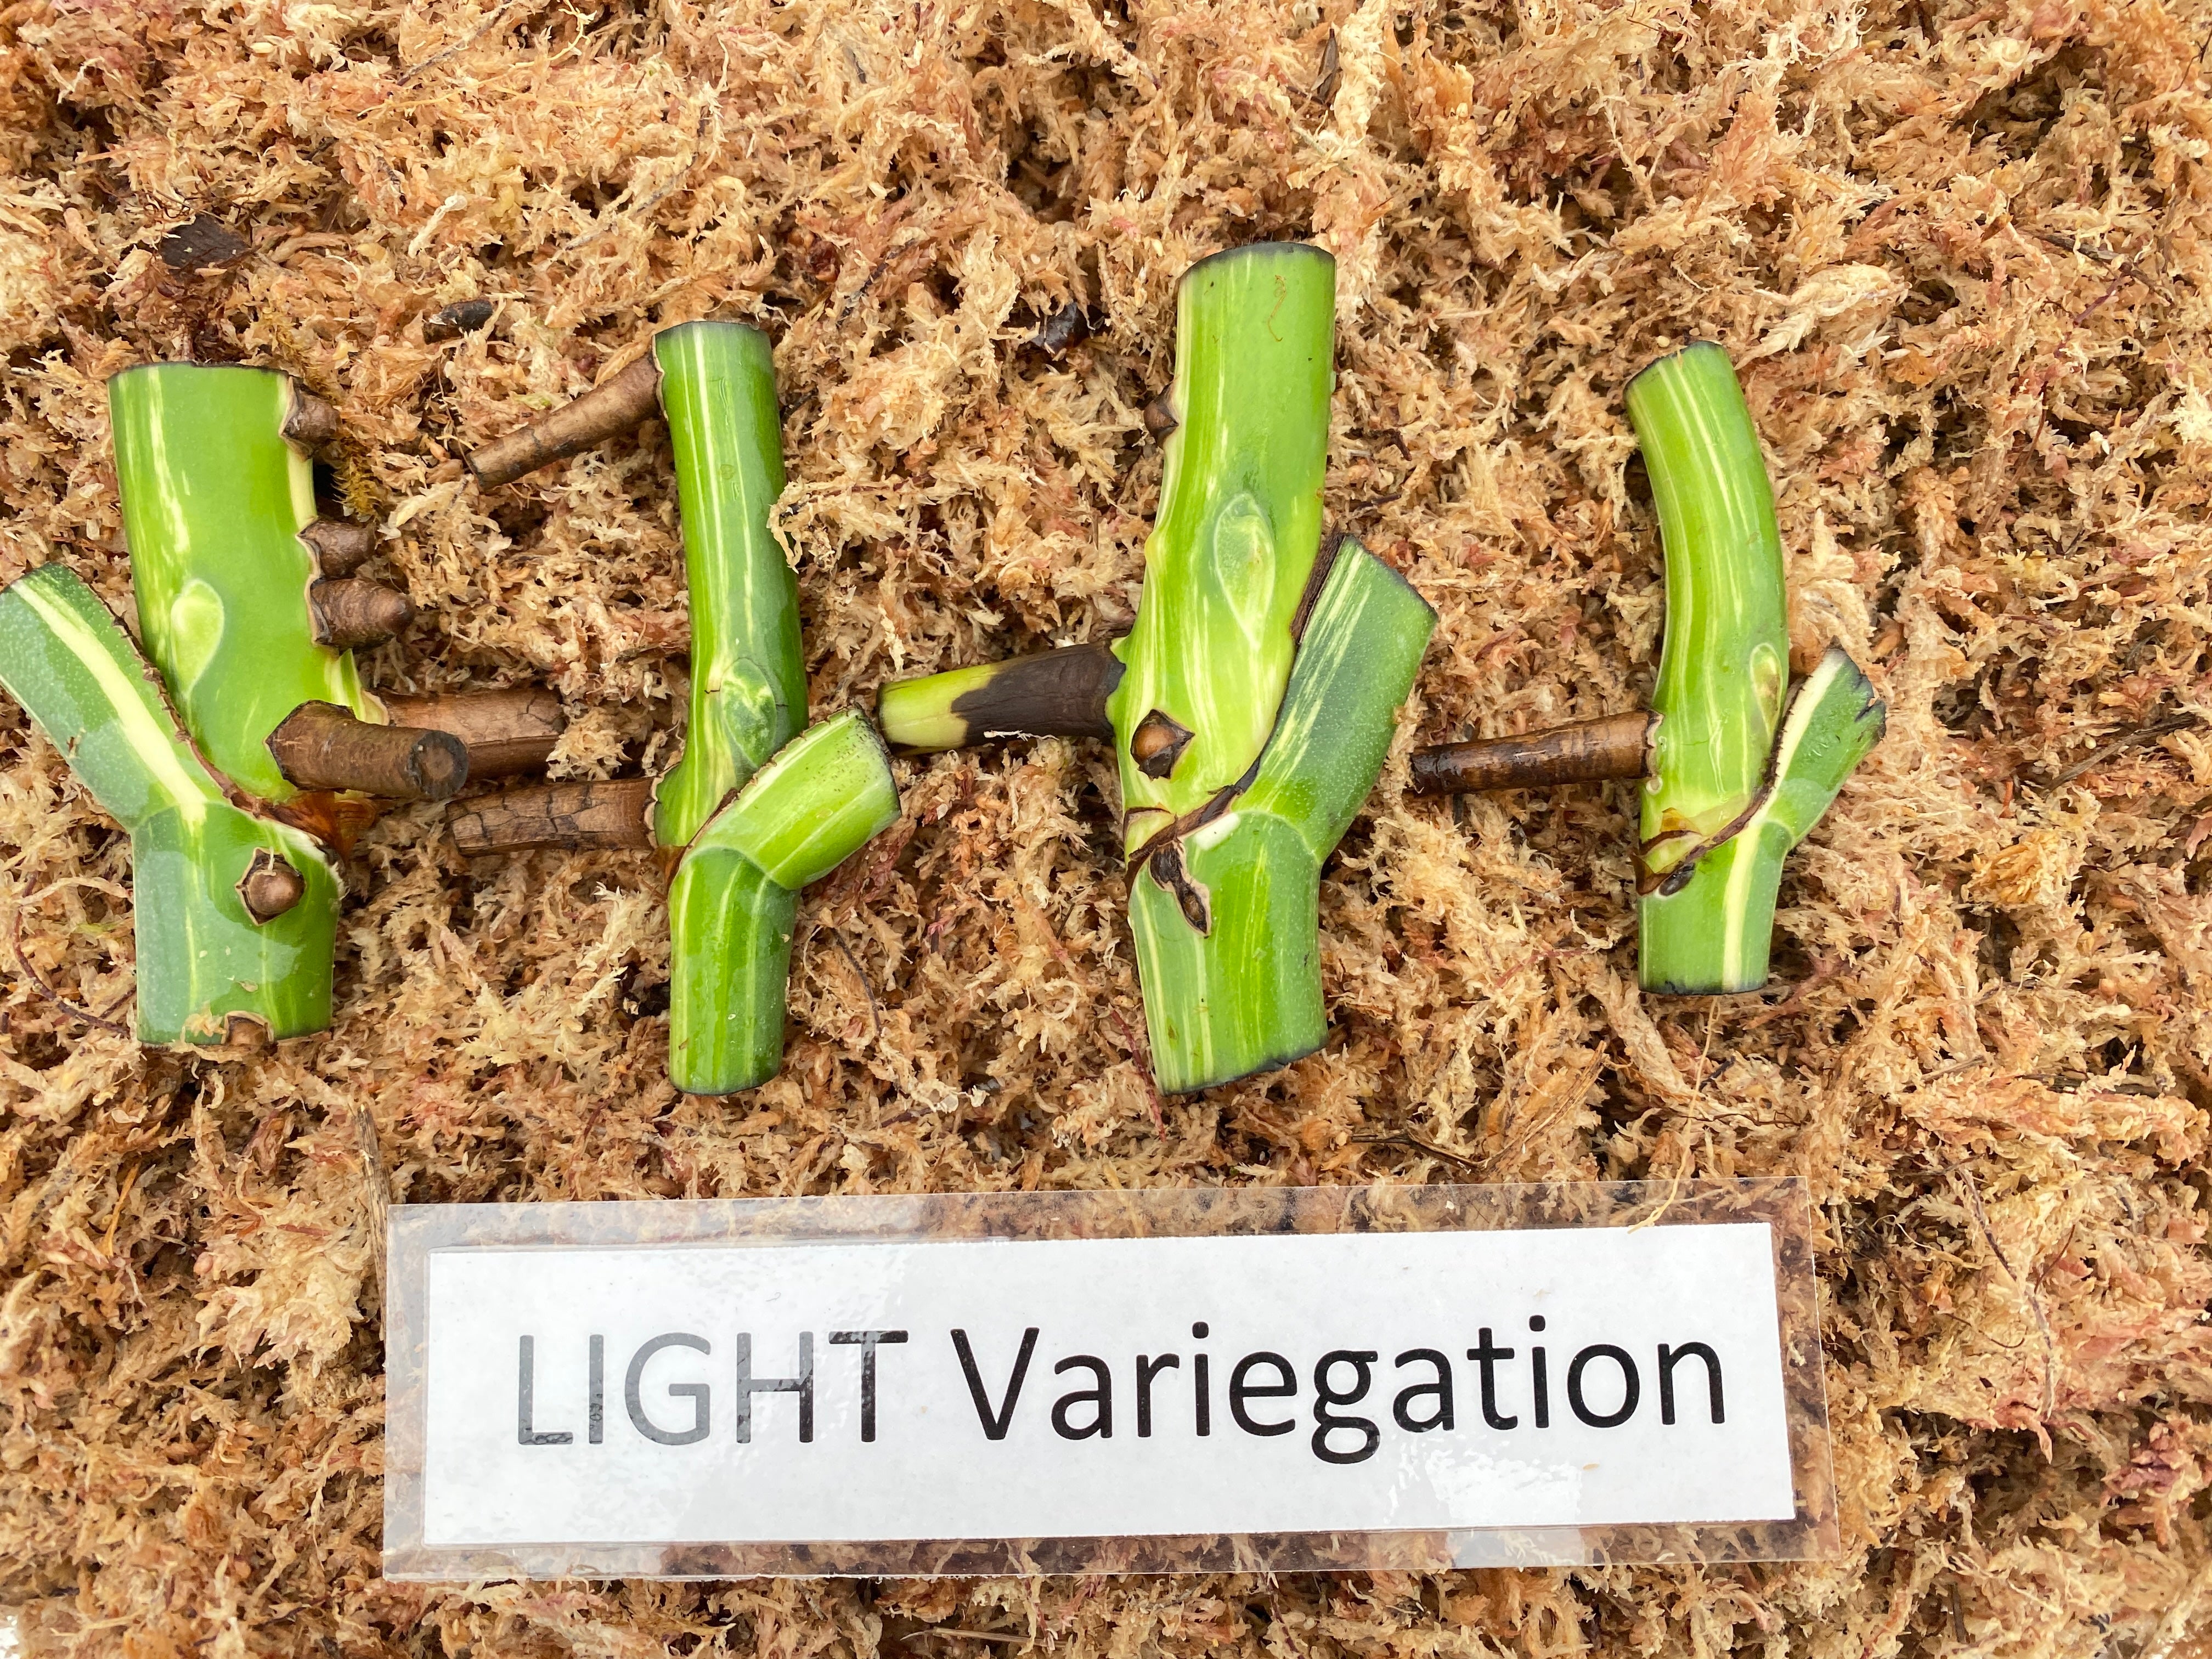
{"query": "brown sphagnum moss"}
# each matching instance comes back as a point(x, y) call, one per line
point(1956, 253)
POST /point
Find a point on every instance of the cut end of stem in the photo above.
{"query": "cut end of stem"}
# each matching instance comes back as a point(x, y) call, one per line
point(627, 400)
point(1613, 746)
point(320, 746)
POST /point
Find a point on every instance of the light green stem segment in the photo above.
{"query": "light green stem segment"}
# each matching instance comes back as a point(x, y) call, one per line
point(1725, 664)
point(202, 961)
point(1239, 524)
point(1713, 934)
point(214, 498)
point(734, 900)
point(1245, 994)
point(748, 677)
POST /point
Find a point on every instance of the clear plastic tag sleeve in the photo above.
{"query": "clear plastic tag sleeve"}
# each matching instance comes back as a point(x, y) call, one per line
point(1410, 1378)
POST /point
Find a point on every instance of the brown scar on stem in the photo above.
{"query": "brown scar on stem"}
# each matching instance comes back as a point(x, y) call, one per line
point(271, 886)
point(1158, 743)
point(630, 399)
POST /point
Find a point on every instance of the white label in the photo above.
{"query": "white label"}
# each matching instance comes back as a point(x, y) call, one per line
point(1103, 1387)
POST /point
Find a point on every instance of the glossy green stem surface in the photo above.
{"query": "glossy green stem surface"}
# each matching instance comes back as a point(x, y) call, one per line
point(748, 677)
point(1724, 802)
point(1243, 993)
point(734, 899)
point(1239, 523)
point(1724, 667)
point(203, 962)
point(214, 498)
point(1714, 932)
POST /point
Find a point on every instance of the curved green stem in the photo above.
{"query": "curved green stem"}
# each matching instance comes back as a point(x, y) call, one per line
point(734, 899)
point(214, 497)
point(748, 677)
point(205, 962)
point(1723, 803)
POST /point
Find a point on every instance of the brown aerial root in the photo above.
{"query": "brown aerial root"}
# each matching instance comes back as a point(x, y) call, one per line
point(581, 817)
point(505, 731)
point(347, 612)
point(632, 397)
point(313, 424)
point(271, 886)
point(1588, 751)
point(321, 746)
point(340, 548)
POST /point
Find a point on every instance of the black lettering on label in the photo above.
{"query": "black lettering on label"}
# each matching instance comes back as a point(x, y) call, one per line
point(1241, 1390)
point(1439, 1390)
point(1540, 1378)
point(1487, 1357)
point(1147, 1369)
point(1099, 1398)
point(1629, 1387)
point(1670, 1358)
point(867, 1342)
point(525, 1389)
point(1327, 1395)
point(1201, 1392)
point(697, 1392)
point(748, 1385)
point(995, 1422)
point(598, 1417)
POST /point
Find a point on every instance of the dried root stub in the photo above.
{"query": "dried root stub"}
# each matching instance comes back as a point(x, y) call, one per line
point(1588, 751)
point(504, 732)
point(1733, 782)
point(322, 746)
point(630, 398)
point(1254, 702)
point(593, 817)
point(757, 807)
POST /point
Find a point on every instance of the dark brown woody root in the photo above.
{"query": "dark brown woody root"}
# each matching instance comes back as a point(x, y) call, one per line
point(321, 746)
point(1588, 752)
point(590, 817)
point(631, 397)
point(340, 548)
point(505, 731)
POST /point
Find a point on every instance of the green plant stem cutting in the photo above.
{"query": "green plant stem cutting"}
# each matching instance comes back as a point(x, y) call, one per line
point(1737, 769)
point(236, 609)
point(235, 912)
point(757, 807)
point(1254, 703)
